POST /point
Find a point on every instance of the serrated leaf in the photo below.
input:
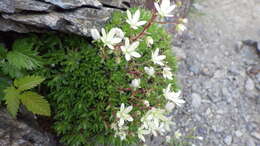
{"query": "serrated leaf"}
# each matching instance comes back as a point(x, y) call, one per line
point(4, 83)
point(28, 82)
point(23, 60)
point(35, 103)
point(12, 100)
point(11, 70)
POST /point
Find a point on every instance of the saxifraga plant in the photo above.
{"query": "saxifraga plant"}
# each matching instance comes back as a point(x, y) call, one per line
point(112, 92)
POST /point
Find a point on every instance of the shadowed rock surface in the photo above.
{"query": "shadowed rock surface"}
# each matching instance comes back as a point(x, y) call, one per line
point(73, 16)
point(18, 133)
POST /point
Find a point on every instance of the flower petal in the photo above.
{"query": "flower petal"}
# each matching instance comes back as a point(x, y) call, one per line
point(136, 16)
point(95, 34)
point(140, 23)
point(129, 15)
point(135, 54)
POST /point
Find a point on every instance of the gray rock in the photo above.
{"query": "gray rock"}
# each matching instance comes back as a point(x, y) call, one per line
point(238, 133)
point(79, 21)
point(180, 54)
point(250, 142)
point(194, 68)
point(117, 3)
point(196, 100)
point(250, 85)
point(32, 5)
point(17, 133)
point(258, 78)
point(228, 140)
point(256, 135)
point(70, 4)
point(258, 100)
point(83, 15)
point(7, 6)
point(9, 25)
point(239, 45)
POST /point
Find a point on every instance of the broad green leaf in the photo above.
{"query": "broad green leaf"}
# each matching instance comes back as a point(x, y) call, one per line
point(12, 100)
point(35, 103)
point(28, 82)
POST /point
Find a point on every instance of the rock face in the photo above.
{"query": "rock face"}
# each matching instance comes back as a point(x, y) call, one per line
point(16, 133)
point(73, 16)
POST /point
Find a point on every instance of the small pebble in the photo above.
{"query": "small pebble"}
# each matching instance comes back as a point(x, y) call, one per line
point(228, 140)
point(250, 85)
point(196, 100)
point(238, 133)
point(256, 135)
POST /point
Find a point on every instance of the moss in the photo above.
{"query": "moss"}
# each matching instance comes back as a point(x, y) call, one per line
point(83, 83)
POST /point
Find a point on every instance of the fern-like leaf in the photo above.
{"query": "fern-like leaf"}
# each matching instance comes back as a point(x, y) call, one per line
point(12, 100)
point(22, 60)
point(11, 70)
point(23, 56)
point(35, 103)
point(28, 82)
point(4, 83)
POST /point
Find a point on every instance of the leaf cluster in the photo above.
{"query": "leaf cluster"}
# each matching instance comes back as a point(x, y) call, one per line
point(17, 63)
point(17, 93)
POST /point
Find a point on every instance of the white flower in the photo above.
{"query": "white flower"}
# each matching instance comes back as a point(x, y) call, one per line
point(156, 122)
point(149, 41)
point(141, 132)
point(169, 106)
point(124, 115)
point(180, 27)
point(167, 74)
point(158, 59)
point(122, 132)
point(146, 103)
point(113, 37)
point(95, 34)
point(118, 33)
point(149, 70)
point(165, 8)
point(172, 96)
point(129, 50)
point(134, 20)
point(135, 83)
point(177, 134)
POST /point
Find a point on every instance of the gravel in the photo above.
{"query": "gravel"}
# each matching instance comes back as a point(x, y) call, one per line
point(220, 75)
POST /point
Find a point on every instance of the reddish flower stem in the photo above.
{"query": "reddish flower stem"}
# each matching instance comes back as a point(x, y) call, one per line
point(150, 22)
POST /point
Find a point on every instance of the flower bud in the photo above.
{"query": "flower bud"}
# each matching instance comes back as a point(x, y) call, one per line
point(149, 70)
point(149, 41)
point(135, 83)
